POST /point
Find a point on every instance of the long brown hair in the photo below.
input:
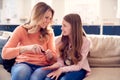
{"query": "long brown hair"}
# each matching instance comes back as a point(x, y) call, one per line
point(77, 39)
point(38, 12)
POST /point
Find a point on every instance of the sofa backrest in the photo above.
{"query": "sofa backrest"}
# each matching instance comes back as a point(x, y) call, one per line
point(105, 51)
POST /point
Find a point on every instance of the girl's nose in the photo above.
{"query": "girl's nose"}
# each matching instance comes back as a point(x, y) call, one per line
point(61, 27)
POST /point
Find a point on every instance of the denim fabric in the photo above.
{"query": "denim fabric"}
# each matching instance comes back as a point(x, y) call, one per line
point(25, 71)
point(75, 75)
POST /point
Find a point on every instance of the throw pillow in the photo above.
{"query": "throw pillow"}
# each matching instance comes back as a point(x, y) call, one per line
point(2, 43)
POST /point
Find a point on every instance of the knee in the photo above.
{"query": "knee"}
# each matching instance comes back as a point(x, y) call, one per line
point(39, 74)
point(21, 70)
point(47, 78)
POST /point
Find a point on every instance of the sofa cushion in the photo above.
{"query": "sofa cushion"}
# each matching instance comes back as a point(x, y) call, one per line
point(105, 50)
point(104, 74)
point(4, 35)
point(2, 43)
point(4, 75)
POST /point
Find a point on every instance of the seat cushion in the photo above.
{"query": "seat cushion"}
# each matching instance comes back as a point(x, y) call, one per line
point(4, 75)
point(104, 74)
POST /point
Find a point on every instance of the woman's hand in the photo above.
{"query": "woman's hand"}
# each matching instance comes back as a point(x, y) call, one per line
point(49, 55)
point(55, 74)
point(37, 49)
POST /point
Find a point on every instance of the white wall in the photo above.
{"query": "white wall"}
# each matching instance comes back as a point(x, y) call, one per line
point(59, 7)
point(87, 9)
point(102, 11)
point(108, 10)
point(15, 10)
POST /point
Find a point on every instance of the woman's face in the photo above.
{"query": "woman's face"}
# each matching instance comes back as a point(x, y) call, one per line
point(66, 28)
point(46, 19)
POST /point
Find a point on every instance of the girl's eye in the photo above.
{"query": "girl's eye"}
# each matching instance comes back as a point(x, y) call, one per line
point(64, 25)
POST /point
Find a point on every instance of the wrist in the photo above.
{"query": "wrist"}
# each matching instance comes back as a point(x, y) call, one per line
point(22, 49)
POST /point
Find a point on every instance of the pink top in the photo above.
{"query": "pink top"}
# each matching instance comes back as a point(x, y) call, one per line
point(83, 64)
point(21, 37)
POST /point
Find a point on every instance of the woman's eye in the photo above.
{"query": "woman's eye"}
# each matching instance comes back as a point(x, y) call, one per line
point(48, 18)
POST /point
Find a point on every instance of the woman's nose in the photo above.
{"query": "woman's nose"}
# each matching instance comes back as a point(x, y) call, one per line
point(48, 20)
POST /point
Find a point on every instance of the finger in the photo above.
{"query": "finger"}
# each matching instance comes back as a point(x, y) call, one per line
point(41, 47)
point(46, 68)
point(53, 76)
point(33, 50)
point(49, 75)
point(57, 77)
point(49, 51)
point(38, 50)
point(42, 50)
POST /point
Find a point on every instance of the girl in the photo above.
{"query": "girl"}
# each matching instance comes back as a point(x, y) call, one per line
point(73, 47)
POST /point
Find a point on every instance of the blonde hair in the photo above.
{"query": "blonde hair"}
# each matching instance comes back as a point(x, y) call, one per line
point(38, 12)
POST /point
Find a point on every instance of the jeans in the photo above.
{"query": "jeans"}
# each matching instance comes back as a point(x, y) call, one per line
point(26, 71)
point(75, 75)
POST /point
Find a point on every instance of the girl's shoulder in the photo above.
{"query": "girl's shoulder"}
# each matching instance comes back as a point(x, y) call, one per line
point(58, 40)
point(87, 41)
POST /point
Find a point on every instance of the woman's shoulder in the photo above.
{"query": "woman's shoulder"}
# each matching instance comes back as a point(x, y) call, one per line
point(20, 28)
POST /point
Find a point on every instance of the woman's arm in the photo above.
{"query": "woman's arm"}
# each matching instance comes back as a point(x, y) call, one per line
point(10, 50)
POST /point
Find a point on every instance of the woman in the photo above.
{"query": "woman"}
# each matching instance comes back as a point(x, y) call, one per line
point(32, 44)
point(73, 47)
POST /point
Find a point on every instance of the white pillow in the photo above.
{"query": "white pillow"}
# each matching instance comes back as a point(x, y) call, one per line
point(5, 34)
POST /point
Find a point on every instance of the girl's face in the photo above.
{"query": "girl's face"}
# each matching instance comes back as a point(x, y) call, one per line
point(46, 19)
point(66, 28)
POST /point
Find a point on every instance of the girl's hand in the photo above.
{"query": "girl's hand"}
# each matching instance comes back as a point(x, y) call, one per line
point(52, 67)
point(55, 74)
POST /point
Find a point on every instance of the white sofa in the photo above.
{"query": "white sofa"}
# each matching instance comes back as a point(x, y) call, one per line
point(4, 75)
point(4, 35)
point(104, 59)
